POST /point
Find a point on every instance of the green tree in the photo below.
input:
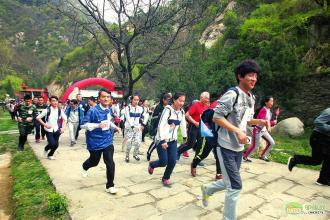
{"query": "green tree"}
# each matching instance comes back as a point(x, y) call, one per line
point(11, 84)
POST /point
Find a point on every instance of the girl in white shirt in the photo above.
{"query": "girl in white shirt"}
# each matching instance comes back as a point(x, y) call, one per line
point(166, 139)
point(133, 127)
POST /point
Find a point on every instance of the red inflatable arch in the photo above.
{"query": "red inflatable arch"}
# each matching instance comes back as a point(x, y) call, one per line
point(108, 84)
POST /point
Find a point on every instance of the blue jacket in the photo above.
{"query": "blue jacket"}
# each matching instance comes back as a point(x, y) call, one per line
point(80, 113)
point(98, 139)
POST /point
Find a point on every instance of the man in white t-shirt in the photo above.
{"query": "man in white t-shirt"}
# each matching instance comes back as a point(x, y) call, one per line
point(54, 119)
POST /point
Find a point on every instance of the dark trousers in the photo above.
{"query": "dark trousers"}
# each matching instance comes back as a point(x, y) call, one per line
point(194, 140)
point(320, 144)
point(23, 133)
point(144, 132)
point(39, 128)
point(203, 152)
point(12, 115)
point(94, 160)
point(77, 133)
point(151, 148)
point(167, 158)
point(52, 139)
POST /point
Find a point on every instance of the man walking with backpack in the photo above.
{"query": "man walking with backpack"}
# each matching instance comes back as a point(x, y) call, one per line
point(53, 126)
point(233, 120)
point(75, 116)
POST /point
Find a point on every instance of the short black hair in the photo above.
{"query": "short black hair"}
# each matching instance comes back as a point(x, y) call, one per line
point(74, 101)
point(103, 90)
point(40, 97)
point(53, 97)
point(27, 97)
point(245, 67)
point(91, 98)
point(178, 95)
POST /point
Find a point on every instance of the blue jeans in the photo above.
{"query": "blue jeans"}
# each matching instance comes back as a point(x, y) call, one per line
point(167, 158)
point(230, 162)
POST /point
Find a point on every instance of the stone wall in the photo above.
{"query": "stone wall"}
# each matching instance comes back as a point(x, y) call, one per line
point(311, 99)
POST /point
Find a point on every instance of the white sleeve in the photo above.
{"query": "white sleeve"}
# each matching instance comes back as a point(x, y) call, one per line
point(183, 126)
point(63, 115)
point(145, 117)
point(162, 124)
point(127, 116)
point(42, 114)
point(89, 126)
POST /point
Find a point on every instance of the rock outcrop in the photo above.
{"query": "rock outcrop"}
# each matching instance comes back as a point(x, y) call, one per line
point(293, 127)
point(215, 30)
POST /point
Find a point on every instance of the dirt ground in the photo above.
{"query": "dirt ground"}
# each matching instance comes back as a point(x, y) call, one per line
point(5, 187)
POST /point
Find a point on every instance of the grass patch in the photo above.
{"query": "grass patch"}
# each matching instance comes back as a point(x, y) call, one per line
point(286, 147)
point(6, 123)
point(33, 193)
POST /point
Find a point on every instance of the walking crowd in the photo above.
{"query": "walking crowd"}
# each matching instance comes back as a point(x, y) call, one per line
point(219, 127)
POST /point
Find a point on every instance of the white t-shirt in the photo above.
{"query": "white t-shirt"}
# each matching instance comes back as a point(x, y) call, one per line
point(52, 119)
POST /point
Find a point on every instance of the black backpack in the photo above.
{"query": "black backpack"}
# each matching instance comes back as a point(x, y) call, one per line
point(58, 117)
point(207, 118)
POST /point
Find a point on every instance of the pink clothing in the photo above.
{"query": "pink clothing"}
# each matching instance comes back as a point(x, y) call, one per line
point(265, 114)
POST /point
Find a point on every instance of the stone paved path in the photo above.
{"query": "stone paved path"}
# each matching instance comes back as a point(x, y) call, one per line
point(267, 188)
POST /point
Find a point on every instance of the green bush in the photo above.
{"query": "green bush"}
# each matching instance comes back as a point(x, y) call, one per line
point(56, 204)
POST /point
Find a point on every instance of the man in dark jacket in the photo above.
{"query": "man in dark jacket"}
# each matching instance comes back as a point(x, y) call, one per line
point(320, 143)
point(26, 113)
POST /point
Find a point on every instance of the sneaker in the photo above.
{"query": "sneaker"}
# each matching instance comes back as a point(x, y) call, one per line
point(45, 153)
point(136, 157)
point(166, 182)
point(185, 154)
point(291, 163)
point(201, 164)
point(264, 159)
point(218, 176)
point(150, 170)
point(322, 183)
point(84, 173)
point(246, 159)
point(37, 140)
point(205, 196)
point(193, 171)
point(51, 158)
point(127, 159)
point(111, 190)
point(72, 143)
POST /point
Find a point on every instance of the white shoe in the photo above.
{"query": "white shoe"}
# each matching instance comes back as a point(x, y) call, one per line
point(84, 172)
point(51, 158)
point(111, 190)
